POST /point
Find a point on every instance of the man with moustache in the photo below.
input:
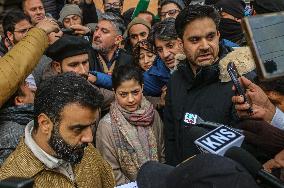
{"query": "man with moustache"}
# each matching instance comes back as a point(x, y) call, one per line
point(15, 25)
point(169, 47)
point(195, 86)
point(56, 150)
point(114, 6)
point(71, 54)
point(107, 39)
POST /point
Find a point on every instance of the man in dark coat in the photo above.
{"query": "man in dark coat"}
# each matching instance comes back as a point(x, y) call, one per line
point(15, 114)
point(195, 86)
point(107, 39)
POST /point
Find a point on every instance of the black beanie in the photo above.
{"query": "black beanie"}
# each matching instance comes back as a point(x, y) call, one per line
point(268, 6)
point(210, 2)
point(67, 46)
point(234, 7)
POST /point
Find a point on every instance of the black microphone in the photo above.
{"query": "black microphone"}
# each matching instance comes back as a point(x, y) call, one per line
point(16, 182)
point(194, 119)
point(217, 141)
point(253, 166)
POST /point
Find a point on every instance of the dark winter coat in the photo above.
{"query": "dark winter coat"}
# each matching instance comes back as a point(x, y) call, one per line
point(202, 94)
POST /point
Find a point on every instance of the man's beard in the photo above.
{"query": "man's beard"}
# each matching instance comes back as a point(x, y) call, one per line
point(204, 63)
point(15, 41)
point(102, 50)
point(64, 150)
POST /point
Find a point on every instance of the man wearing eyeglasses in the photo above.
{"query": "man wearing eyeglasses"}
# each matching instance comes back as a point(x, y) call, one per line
point(114, 6)
point(15, 25)
point(170, 8)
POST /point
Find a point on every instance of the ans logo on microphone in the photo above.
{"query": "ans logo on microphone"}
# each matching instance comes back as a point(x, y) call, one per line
point(219, 140)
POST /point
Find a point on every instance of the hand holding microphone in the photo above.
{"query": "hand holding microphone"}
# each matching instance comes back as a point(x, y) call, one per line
point(253, 166)
point(262, 107)
point(277, 162)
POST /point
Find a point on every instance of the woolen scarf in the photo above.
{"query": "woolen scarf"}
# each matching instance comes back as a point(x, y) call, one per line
point(134, 137)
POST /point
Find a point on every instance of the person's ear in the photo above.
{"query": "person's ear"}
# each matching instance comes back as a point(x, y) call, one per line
point(19, 100)
point(218, 34)
point(56, 66)
point(118, 39)
point(180, 43)
point(10, 36)
point(45, 125)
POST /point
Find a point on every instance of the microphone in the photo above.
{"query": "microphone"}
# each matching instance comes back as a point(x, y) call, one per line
point(194, 119)
point(17, 182)
point(253, 166)
point(217, 141)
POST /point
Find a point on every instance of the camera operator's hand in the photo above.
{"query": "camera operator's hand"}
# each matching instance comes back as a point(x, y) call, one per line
point(80, 29)
point(260, 103)
point(48, 25)
point(270, 165)
point(277, 162)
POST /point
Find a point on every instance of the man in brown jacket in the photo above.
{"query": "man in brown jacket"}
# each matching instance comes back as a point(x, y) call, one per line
point(56, 149)
point(19, 62)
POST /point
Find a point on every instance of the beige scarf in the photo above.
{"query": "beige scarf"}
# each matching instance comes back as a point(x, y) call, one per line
point(134, 137)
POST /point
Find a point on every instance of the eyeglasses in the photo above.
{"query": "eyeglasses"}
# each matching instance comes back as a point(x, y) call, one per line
point(171, 13)
point(112, 5)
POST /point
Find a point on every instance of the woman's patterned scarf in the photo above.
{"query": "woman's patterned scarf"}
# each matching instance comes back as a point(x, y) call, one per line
point(134, 137)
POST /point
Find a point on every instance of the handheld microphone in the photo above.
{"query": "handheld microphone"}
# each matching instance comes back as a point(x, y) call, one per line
point(253, 166)
point(217, 141)
point(194, 119)
point(17, 182)
point(67, 31)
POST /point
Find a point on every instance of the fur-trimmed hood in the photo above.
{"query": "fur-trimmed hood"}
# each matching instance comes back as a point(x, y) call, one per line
point(242, 58)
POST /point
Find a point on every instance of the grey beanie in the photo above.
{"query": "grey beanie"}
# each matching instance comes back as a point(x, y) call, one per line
point(136, 21)
point(69, 9)
point(179, 3)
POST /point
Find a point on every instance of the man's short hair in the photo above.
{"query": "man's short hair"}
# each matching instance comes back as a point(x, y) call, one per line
point(115, 20)
point(194, 12)
point(12, 18)
point(11, 101)
point(56, 92)
point(164, 30)
point(150, 13)
point(24, 2)
point(179, 3)
point(121, 1)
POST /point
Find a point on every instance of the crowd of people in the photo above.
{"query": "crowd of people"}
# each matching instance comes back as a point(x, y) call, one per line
point(92, 98)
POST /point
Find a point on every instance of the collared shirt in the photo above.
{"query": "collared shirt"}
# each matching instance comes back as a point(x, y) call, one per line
point(278, 119)
point(49, 161)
